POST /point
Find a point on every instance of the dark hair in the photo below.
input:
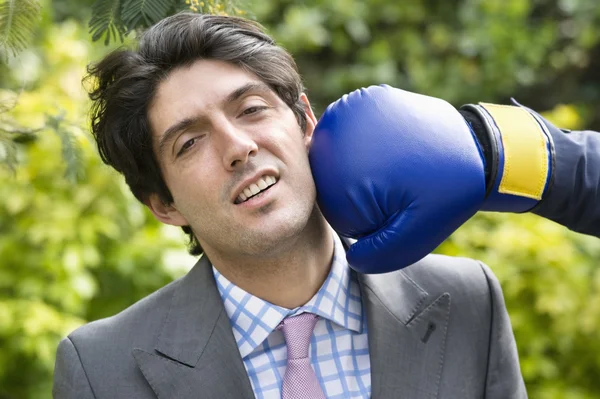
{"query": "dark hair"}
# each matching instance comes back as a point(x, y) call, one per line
point(125, 83)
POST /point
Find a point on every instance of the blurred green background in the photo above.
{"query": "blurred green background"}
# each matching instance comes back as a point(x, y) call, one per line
point(75, 246)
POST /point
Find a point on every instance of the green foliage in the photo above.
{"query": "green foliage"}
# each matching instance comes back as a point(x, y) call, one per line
point(144, 12)
point(17, 22)
point(11, 134)
point(71, 151)
point(106, 21)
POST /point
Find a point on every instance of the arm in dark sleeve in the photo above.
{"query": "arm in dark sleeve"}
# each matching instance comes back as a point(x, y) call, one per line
point(573, 197)
point(503, 379)
point(70, 380)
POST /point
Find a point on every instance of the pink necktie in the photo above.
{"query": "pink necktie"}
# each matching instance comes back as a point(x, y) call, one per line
point(300, 380)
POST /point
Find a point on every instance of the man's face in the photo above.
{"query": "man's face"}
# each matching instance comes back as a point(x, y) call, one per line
point(220, 134)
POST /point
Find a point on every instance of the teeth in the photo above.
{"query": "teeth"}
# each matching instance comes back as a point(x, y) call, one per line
point(256, 187)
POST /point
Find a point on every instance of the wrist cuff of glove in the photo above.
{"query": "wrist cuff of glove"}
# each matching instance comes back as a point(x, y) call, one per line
point(484, 142)
point(520, 160)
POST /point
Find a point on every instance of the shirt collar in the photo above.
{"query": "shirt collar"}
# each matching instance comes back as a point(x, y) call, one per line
point(253, 319)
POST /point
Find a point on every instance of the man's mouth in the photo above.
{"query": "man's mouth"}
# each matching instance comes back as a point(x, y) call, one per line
point(255, 188)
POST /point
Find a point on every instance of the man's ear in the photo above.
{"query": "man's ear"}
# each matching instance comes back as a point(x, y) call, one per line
point(311, 121)
point(167, 214)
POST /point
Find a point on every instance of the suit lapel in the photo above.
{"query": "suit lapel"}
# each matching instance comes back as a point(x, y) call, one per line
point(196, 355)
point(407, 336)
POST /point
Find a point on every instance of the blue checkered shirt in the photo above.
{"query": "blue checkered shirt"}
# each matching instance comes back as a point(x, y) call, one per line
point(338, 350)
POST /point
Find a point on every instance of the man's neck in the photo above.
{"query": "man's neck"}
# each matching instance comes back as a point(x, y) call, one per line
point(293, 276)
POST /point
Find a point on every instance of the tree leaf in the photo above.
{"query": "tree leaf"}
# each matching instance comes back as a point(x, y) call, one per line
point(17, 21)
point(8, 152)
point(106, 21)
point(71, 151)
point(144, 13)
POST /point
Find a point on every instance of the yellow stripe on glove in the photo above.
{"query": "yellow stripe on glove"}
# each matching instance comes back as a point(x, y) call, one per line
point(525, 151)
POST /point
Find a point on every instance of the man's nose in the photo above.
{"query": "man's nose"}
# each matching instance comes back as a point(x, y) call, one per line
point(237, 146)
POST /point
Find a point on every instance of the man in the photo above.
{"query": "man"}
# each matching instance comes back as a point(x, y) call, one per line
point(421, 168)
point(208, 122)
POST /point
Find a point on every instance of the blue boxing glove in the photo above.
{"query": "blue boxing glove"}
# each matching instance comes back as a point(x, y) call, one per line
point(400, 171)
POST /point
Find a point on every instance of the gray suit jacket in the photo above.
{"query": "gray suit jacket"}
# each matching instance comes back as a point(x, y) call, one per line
point(437, 329)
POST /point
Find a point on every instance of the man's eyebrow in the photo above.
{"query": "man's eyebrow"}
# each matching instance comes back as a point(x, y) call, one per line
point(240, 91)
point(187, 122)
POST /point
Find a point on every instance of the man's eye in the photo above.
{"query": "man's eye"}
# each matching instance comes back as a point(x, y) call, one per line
point(253, 110)
point(187, 145)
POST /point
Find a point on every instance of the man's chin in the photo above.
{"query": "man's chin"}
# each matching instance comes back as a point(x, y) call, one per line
point(273, 237)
